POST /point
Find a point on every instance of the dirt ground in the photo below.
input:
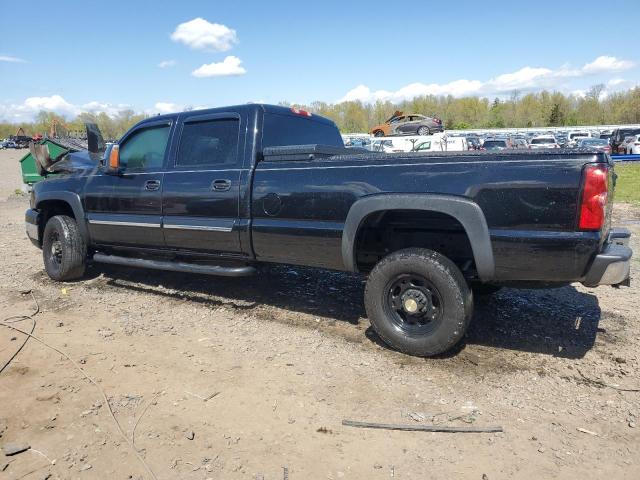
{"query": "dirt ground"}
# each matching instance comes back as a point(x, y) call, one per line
point(251, 378)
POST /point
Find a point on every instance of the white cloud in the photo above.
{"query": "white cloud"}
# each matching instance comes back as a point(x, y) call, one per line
point(54, 103)
point(526, 79)
point(167, 107)
point(8, 58)
point(202, 35)
point(616, 81)
point(108, 108)
point(228, 67)
point(605, 64)
point(30, 107)
point(167, 63)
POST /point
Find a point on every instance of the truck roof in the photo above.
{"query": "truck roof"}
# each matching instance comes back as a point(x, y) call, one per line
point(247, 107)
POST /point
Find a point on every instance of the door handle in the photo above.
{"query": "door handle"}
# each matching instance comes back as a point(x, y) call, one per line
point(152, 185)
point(221, 185)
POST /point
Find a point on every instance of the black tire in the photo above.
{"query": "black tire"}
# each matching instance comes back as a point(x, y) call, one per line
point(485, 289)
point(63, 249)
point(439, 290)
point(378, 133)
point(423, 131)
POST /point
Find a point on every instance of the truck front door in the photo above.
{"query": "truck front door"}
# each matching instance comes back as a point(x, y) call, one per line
point(201, 192)
point(134, 215)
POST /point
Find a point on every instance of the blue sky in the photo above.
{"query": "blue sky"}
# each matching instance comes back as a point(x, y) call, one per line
point(106, 55)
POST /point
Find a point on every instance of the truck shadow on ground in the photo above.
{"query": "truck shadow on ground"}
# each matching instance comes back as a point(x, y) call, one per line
point(561, 322)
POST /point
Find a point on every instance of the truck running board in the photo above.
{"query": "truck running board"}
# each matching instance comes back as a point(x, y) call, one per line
point(175, 266)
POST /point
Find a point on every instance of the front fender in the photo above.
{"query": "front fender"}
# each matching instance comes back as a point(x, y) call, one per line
point(467, 212)
point(71, 198)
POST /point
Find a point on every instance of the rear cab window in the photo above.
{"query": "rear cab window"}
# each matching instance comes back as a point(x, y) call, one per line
point(283, 129)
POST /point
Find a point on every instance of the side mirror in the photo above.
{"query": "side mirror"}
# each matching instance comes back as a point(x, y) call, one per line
point(113, 163)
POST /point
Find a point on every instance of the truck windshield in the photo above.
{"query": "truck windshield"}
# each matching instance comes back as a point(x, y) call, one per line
point(280, 130)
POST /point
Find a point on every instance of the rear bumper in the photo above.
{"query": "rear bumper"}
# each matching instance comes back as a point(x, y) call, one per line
point(612, 265)
point(32, 223)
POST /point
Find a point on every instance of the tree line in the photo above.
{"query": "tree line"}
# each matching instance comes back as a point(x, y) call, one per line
point(52, 124)
point(543, 109)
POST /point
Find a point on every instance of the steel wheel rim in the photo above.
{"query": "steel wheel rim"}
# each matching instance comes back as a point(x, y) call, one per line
point(407, 291)
point(55, 250)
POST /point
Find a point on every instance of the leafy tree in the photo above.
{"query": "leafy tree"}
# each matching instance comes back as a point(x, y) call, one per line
point(556, 117)
point(534, 109)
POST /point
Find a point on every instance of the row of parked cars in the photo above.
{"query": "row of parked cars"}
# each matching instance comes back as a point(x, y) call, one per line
point(619, 141)
point(16, 141)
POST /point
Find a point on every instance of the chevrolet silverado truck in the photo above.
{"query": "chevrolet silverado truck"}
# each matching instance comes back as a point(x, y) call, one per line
point(221, 191)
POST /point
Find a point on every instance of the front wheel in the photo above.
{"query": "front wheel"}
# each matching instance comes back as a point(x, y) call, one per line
point(418, 302)
point(424, 131)
point(378, 133)
point(63, 249)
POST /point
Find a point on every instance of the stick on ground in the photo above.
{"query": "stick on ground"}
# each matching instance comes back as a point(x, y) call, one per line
point(607, 385)
point(421, 428)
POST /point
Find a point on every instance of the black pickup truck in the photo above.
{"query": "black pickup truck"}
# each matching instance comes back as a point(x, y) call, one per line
point(219, 191)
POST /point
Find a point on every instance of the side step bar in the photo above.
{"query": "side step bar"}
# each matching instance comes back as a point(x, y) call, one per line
point(175, 266)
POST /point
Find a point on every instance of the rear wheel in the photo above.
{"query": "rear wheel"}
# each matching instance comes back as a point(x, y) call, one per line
point(424, 131)
point(418, 302)
point(63, 249)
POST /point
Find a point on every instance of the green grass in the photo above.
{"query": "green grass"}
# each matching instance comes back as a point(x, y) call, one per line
point(628, 184)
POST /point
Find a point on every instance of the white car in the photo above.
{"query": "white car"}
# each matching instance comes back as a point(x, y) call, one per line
point(624, 145)
point(423, 143)
point(541, 142)
point(633, 146)
point(391, 144)
point(573, 137)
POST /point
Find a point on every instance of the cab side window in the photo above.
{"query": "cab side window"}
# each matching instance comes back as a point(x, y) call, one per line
point(145, 149)
point(211, 143)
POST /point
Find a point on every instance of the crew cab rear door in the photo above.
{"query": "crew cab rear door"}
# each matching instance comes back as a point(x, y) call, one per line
point(201, 191)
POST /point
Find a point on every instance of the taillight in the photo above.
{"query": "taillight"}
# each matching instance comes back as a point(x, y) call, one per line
point(594, 197)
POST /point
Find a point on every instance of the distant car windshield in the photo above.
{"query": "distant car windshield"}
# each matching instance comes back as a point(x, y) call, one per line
point(542, 141)
point(594, 141)
point(576, 135)
point(495, 144)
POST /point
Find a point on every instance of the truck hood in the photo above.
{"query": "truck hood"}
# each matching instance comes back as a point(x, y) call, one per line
point(76, 162)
